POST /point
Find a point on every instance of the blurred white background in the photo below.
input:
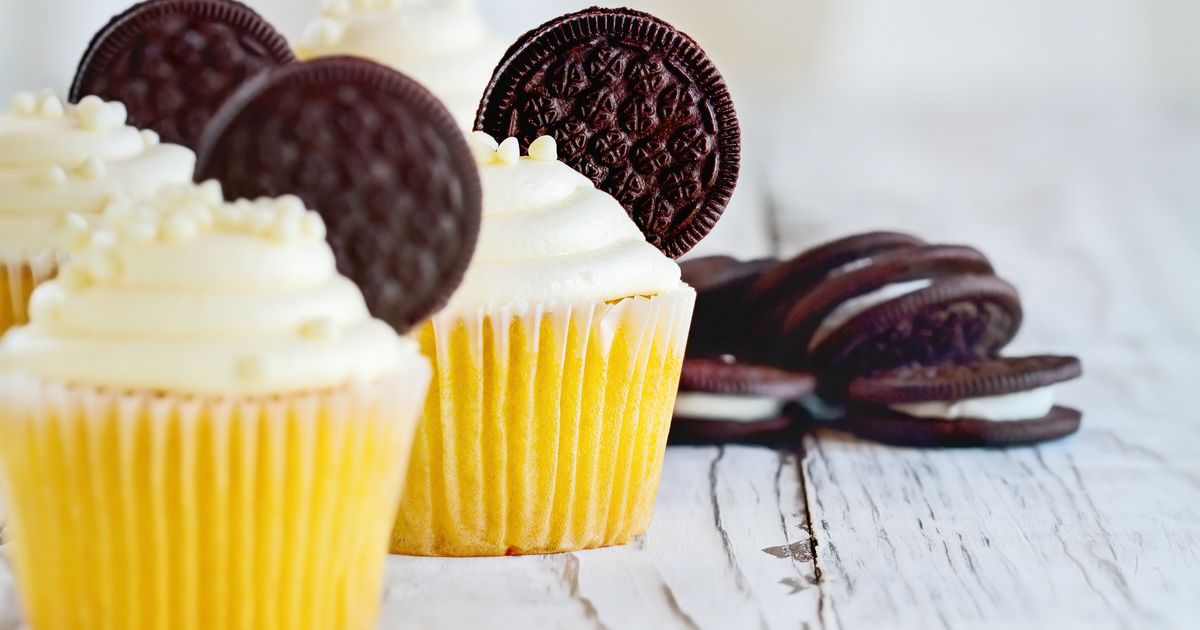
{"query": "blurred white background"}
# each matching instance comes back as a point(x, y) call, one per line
point(864, 113)
point(922, 49)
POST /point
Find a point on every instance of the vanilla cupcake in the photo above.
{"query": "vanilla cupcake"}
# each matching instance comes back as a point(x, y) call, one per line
point(202, 426)
point(556, 365)
point(443, 44)
point(57, 159)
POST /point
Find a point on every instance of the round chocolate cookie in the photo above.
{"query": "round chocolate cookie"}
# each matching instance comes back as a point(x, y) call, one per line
point(174, 62)
point(956, 318)
point(796, 276)
point(377, 155)
point(957, 381)
point(721, 400)
point(989, 402)
point(799, 327)
point(721, 321)
point(633, 104)
point(880, 424)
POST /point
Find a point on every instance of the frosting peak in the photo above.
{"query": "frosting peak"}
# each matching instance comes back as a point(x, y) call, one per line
point(443, 44)
point(57, 158)
point(549, 234)
point(186, 293)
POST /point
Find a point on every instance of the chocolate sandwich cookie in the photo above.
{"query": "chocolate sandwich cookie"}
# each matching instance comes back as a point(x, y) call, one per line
point(956, 318)
point(721, 400)
point(174, 62)
point(991, 402)
point(377, 155)
point(721, 321)
point(636, 106)
point(816, 313)
point(779, 285)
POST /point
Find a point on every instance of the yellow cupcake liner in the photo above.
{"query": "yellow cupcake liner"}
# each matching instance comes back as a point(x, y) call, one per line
point(158, 512)
point(545, 427)
point(20, 276)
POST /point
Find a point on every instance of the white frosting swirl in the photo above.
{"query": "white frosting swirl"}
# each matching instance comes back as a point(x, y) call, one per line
point(57, 159)
point(187, 294)
point(444, 44)
point(550, 235)
point(1026, 405)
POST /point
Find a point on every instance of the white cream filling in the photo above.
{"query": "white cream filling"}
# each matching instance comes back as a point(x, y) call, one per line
point(852, 307)
point(726, 407)
point(1027, 405)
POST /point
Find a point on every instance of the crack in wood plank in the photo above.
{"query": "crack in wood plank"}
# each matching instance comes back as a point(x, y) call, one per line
point(570, 577)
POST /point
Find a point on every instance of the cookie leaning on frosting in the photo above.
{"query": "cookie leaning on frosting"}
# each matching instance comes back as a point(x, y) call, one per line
point(57, 159)
point(557, 361)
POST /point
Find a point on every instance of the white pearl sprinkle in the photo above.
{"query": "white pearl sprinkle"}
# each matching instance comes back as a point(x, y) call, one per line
point(103, 238)
point(544, 149)
point(45, 307)
point(179, 227)
point(313, 226)
point(211, 192)
point(285, 229)
point(75, 232)
point(92, 169)
point(483, 146)
point(24, 104)
point(335, 8)
point(141, 231)
point(509, 151)
point(102, 265)
point(74, 278)
point(53, 176)
point(325, 32)
point(51, 107)
point(150, 138)
point(259, 220)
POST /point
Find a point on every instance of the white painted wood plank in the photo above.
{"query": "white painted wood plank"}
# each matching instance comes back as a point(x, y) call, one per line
point(727, 549)
point(1092, 214)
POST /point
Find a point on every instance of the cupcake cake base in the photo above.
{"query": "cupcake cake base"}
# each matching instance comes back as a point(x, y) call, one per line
point(545, 427)
point(139, 510)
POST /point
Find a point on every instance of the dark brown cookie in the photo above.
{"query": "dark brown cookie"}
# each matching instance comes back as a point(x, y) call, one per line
point(699, 432)
point(958, 318)
point(720, 376)
point(881, 424)
point(633, 104)
point(957, 381)
point(782, 283)
point(791, 333)
point(174, 62)
point(721, 322)
point(766, 392)
point(377, 155)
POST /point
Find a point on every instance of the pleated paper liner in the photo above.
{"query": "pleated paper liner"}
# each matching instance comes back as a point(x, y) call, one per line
point(545, 427)
point(21, 275)
point(141, 511)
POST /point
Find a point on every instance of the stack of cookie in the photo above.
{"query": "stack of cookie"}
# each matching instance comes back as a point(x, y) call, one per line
point(904, 335)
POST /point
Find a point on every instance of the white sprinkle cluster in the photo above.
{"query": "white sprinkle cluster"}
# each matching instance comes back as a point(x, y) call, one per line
point(177, 214)
point(91, 114)
point(488, 151)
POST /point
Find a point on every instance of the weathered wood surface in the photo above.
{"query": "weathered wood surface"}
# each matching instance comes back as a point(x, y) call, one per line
point(1095, 215)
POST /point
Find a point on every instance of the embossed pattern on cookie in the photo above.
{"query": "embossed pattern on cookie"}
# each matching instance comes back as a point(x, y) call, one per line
point(174, 62)
point(377, 155)
point(634, 105)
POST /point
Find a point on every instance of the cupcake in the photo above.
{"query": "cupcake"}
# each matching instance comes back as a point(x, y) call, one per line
point(57, 159)
point(443, 44)
point(556, 365)
point(202, 426)
point(557, 362)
